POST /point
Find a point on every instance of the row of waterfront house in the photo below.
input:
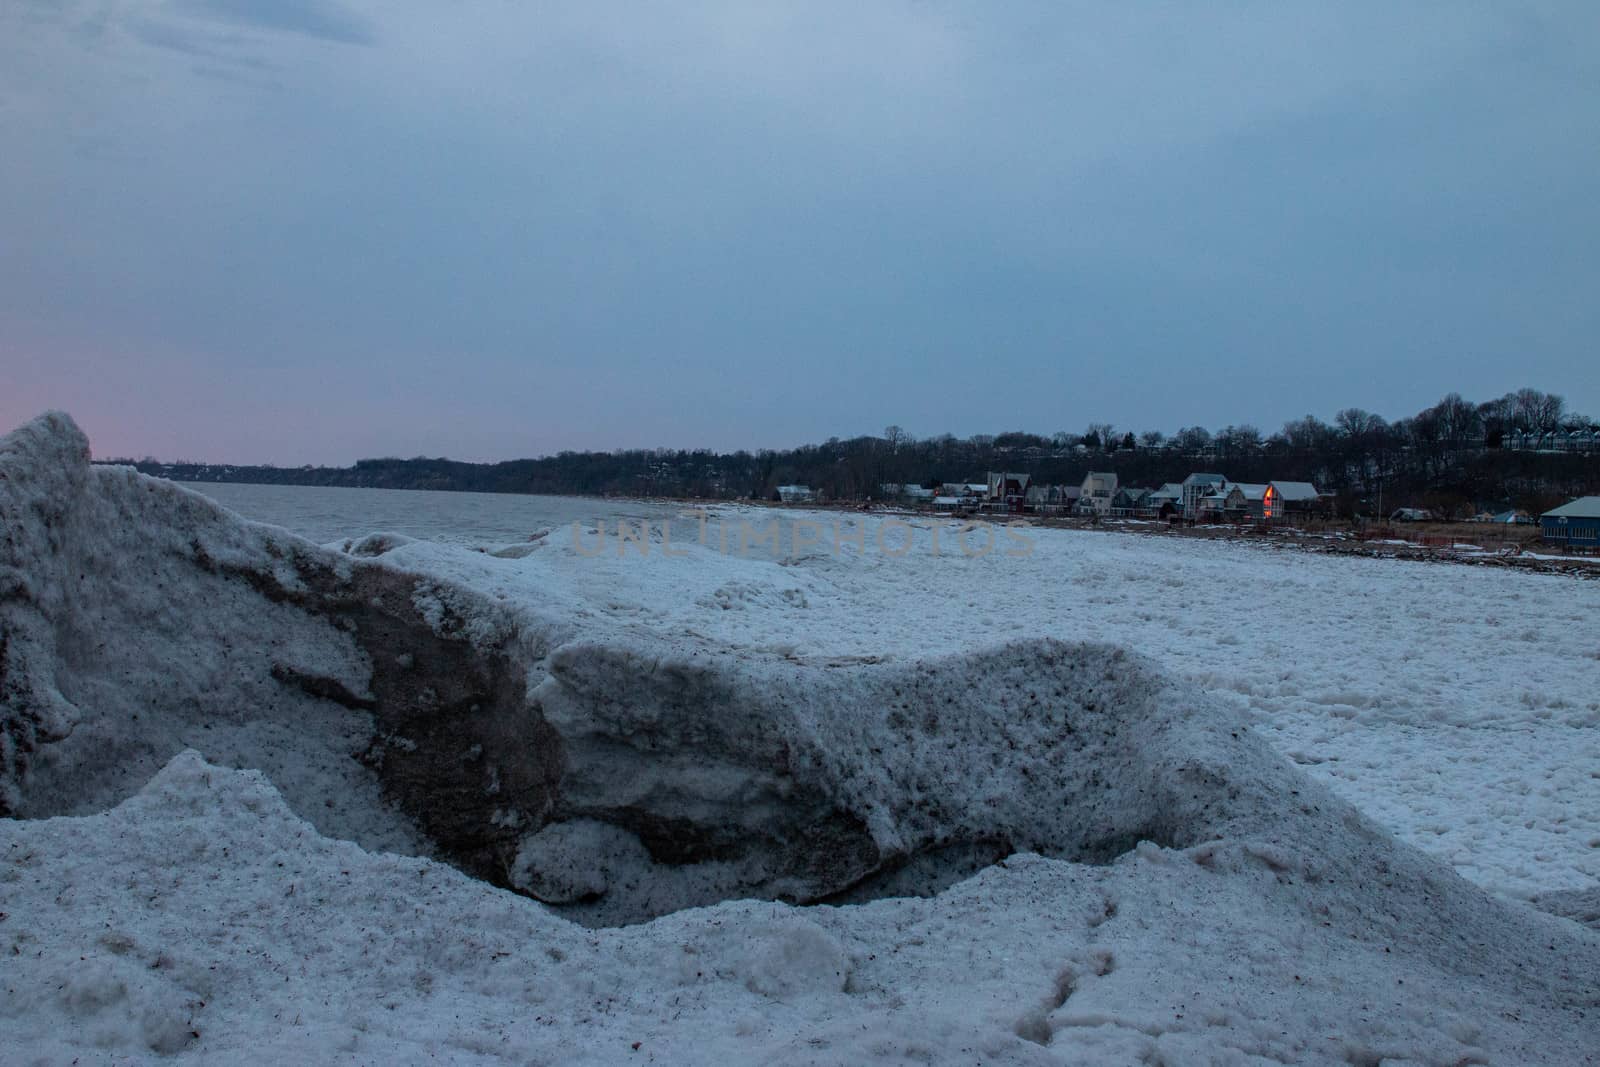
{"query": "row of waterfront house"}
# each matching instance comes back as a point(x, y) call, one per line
point(1199, 497)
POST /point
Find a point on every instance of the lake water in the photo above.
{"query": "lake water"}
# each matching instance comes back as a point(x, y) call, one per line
point(324, 514)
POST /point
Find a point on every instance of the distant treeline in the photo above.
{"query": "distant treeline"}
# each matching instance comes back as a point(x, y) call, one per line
point(1454, 458)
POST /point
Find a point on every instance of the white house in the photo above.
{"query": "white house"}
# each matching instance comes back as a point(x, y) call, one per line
point(1198, 486)
point(1098, 489)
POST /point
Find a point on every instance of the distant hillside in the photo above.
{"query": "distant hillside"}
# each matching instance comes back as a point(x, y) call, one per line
point(1454, 458)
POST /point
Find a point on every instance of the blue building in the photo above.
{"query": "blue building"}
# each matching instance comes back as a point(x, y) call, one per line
point(1576, 523)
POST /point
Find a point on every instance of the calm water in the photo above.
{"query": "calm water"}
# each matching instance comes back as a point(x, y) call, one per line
point(324, 514)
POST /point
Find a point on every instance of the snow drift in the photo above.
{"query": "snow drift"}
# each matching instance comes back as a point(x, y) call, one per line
point(620, 777)
point(623, 780)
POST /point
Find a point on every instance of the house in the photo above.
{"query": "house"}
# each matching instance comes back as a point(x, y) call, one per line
point(1574, 524)
point(1095, 495)
point(1053, 499)
point(1285, 499)
point(911, 494)
point(1006, 491)
point(1248, 500)
point(1166, 501)
point(1197, 486)
point(967, 492)
point(797, 494)
point(1217, 502)
point(1131, 500)
point(1411, 515)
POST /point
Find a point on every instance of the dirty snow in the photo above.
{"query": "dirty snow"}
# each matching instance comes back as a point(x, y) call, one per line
point(1458, 706)
point(221, 882)
point(202, 918)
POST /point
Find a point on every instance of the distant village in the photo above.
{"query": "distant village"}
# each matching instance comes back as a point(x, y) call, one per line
point(1514, 461)
point(1202, 497)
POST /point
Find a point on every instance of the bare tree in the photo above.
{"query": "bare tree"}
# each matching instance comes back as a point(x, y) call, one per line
point(1237, 440)
point(1458, 420)
point(1357, 424)
point(1307, 434)
point(1533, 410)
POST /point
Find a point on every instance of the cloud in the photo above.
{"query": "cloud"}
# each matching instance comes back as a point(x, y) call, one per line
point(650, 211)
point(321, 19)
point(217, 52)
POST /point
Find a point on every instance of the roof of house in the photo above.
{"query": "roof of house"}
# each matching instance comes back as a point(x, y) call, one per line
point(1169, 491)
point(1002, 479)
point(1204, 479)
point(1251, 490)
point(1296, 490)
point(1585, 507)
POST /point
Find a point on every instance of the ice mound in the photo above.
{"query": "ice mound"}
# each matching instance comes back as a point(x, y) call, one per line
point(1124, 873)
point(201, 919)
point(692, 774)
point(619, 777)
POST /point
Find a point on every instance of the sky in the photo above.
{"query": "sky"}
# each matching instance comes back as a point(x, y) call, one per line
point(308, 231)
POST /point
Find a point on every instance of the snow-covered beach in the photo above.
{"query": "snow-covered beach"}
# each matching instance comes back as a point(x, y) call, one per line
point(1182, 801)
point(1460, 707)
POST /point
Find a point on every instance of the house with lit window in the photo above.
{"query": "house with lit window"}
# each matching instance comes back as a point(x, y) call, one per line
point(1284, 500)
point(1247, 501)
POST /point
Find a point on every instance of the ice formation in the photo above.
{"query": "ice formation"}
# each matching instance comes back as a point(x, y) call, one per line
point(1124, 871)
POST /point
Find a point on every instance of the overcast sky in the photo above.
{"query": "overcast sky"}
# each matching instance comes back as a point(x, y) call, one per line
point(306, 231)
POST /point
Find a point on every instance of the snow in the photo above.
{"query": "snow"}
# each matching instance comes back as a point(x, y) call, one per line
point(1457, 705)
point(1209, 764)
point(202, 917)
